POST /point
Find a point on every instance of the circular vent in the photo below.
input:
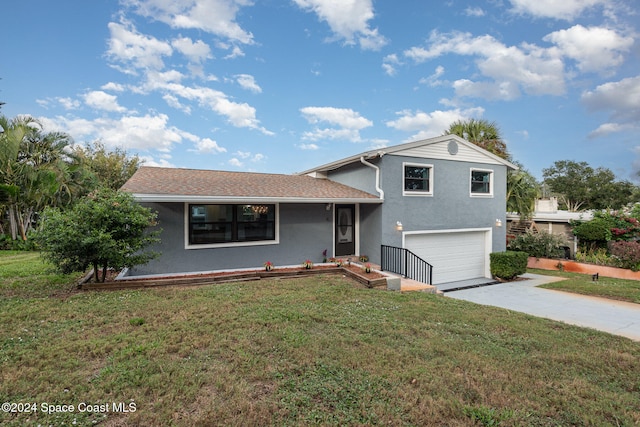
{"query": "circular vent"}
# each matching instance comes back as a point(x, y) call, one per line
point(453, 148)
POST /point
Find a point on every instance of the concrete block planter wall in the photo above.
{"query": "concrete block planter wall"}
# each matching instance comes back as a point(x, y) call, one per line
point(578, 267)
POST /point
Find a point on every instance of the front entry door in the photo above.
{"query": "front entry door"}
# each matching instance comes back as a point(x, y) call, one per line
point(345, 230)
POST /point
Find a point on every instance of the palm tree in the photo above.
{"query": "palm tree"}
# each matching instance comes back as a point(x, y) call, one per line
point(522, 191)
point(34, 171)
point(482, 133)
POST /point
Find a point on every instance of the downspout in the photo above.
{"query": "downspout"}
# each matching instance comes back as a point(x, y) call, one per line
point(377, 169)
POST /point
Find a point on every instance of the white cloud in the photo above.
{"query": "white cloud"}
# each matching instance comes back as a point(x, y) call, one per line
point(248, 82)
point(609, 128)
point(236, 52)
point(196, 51)
point(564, 9)
point(112, 86)
point(474, 11)
point(208, 146)
point(621, 99)
point(594, 48)
point(151, 161)
point(427, 125)
point(149, 132)
point(310, 147)
point(349, 20)
point(349, 123)
point(434, 79)
point(389, 64)
point(238, 114)
point(529, 68)
point(174, 102)
point(505, 91)
point(248, 155)
point(136, 50)
point(213, 16)
point(235, 162)
point(103, 101)
point(68, 103)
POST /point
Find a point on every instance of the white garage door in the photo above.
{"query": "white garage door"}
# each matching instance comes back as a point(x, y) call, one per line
point(454, 255)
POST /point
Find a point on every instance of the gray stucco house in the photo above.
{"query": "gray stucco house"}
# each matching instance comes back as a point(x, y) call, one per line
point(441, 198)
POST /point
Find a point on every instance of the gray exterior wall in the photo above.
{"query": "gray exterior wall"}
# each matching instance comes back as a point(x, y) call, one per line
point(450, 207)
point(305, 231)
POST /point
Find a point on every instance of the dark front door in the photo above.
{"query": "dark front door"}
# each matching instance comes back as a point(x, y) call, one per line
point(345, 230)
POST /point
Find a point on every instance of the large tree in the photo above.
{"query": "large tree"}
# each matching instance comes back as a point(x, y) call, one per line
point(110, 169)
point(579, 186)
point(481, 132)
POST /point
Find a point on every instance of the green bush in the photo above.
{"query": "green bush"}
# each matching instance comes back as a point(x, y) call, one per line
point(593, 234)
point(509, 264)
point(106, 229)
point(539, 245)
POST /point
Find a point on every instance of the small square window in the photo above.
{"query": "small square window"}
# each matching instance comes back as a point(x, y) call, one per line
point(481, 182)
point(417, 179)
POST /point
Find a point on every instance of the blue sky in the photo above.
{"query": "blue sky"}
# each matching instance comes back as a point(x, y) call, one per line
point(284, 85)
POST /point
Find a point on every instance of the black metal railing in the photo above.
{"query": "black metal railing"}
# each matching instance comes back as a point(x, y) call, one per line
point(404, 262)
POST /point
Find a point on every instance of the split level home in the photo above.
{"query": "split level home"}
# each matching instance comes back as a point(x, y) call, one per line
point(438, 202)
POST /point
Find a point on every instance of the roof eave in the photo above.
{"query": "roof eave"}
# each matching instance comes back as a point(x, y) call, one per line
point(185, 198)
point(400, 147)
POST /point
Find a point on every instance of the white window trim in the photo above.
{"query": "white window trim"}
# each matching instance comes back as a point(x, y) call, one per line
point(418, 193)
point(276, 241)
point(491, 176)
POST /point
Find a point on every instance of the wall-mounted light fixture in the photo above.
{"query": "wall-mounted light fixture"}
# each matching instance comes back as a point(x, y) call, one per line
point(328, 207)
point(398, 226)
point(498, 222)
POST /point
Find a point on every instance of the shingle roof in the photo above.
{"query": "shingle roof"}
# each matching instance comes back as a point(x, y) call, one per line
point(161, 184)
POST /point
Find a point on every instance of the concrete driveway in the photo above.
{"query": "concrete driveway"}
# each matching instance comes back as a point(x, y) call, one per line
point(614, 317)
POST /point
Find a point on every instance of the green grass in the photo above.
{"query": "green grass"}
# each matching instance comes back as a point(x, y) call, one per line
point(310, 351)
point(26, 274)
point(606, 287)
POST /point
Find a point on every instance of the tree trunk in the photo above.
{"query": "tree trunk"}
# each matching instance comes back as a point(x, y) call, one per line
point(24, 223)
point(104, 273)
point(12, 222)
point(95, 272)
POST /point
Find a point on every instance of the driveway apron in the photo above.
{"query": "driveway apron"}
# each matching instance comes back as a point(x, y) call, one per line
point(614, 317)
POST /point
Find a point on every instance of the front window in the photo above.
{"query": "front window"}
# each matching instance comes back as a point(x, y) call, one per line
point(417, 179)
point(210, 224)
point(481, 182)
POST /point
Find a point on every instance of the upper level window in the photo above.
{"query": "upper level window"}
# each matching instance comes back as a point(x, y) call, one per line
point(418, 179)
point(210, 224)
point(481, 182)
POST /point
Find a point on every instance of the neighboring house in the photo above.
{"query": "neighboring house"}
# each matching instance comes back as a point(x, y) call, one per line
point(547, 217)
point(442, 198)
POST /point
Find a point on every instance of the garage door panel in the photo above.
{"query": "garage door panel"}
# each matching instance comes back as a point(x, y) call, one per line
point(454, 255)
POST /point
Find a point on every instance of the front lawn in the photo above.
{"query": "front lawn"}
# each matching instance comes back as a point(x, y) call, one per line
point(305, 351)
point(606, 287)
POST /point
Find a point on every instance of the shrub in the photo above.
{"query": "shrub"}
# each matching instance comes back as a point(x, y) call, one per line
point(628, 254)
point(106, 229)
point(598, 257)
point(509, 264)
point(539, 245)
point(593, 234)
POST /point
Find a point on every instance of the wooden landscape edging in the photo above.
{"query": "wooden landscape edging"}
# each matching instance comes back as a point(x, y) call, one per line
point(240, 276)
